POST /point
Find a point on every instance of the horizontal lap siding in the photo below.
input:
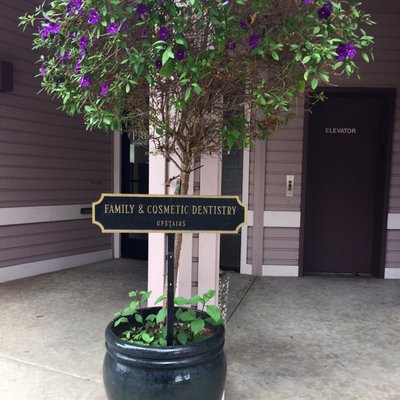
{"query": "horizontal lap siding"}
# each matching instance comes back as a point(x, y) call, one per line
point(284, 157)
point(46, 157)
point(281, 246)
point(20, 244)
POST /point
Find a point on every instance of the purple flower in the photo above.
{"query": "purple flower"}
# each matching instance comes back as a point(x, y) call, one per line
point(94, 16)
point(74, 6)
point(72, 35)
point(164, 33)
point(180, 54)
point(325, 11)
point(122, 27)
point(85, 81)
point(158, 64)
point(83, 41)
point(64, 57)
point(345, 51)
point(351, 50)
point(341, 52)
point(226, 2)
point(160, 1)
point(43, 70)
point(307, 1)
point(51, 28)
point(142, 10)
point(230, 45)
point(77, 67)
point(44, 33)
point(104, 89)
point(253, 40)
point(112, 28)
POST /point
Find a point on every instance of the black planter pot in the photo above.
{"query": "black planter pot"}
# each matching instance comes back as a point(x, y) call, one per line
point(190, 372)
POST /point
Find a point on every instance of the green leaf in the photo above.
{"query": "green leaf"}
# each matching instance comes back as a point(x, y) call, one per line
point(214, 312)
point(161, 315)
point(163, 296)
point(168, 69)
point(306, 59)
point(196, 88)
point(182, 337)
point(147, 338)
point(338, 65)
point(197, 325)
point(187, 316)
point(180, 301)
point(133, 293)
point(209, 295)
point(194, 300)
point(151, 317)
point(168, 53)
point(120, 321)
point(187, 93)
point(314, 83)
point(365, 56)
point(144, 296)
point(275, 55)
point(162, 342)
point(127, 88)
point(139, 318)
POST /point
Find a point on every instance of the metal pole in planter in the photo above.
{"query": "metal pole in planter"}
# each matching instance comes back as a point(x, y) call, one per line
point(170, 292)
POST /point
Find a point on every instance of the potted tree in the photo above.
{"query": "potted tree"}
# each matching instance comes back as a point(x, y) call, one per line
point(194, 76)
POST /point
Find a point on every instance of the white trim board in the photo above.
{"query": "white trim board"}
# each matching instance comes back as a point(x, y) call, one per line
point(244, 267)
point(55, 264)
point(280, 270)
point(393, 221)
point(392, 273)
point(277, 219)
point(30, 215)
point(282, 219)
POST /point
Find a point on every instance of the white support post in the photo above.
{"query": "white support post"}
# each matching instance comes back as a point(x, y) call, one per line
point(209, 243)
point(156, 263)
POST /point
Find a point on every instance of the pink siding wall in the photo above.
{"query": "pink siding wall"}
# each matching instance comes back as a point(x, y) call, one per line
point(284, 157)
point(46, 157)
point(20, 244)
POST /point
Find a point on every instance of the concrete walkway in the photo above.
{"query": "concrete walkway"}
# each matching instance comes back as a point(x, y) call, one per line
point(287, 339)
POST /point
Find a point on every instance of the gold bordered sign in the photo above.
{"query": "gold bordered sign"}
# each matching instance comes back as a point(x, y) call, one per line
point(125, 213)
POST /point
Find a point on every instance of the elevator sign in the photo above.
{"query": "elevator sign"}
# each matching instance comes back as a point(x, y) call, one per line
point(128, 213)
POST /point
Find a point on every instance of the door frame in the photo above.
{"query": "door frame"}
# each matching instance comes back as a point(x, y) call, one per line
point(381, 231)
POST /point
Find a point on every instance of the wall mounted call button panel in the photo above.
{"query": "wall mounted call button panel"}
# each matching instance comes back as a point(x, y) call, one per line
point(289, 185)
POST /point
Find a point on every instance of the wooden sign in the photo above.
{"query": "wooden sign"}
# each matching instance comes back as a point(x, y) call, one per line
point(125, 213)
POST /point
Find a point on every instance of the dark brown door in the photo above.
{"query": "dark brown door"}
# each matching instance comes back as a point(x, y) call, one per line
point(345, 183)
